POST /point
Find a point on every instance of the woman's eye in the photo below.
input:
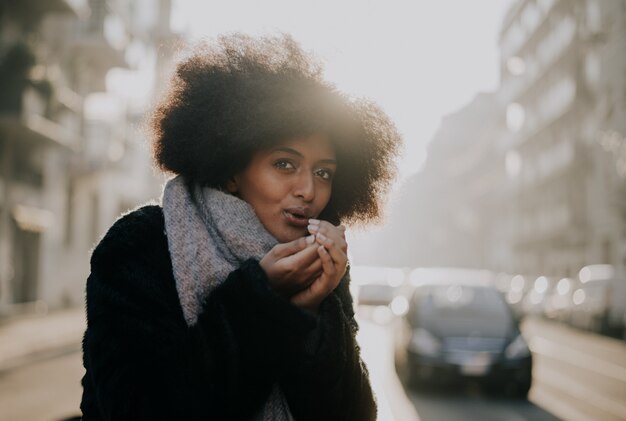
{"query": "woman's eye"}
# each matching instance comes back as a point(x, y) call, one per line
point(324, 174)
point(283, 164)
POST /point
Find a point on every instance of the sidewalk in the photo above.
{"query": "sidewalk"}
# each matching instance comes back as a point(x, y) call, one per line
point(377, 353)
point(34, 337)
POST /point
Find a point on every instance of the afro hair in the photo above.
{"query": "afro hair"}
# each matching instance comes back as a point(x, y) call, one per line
point(234, 97)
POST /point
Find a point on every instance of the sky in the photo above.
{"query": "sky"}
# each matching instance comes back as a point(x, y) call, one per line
point(419, 60)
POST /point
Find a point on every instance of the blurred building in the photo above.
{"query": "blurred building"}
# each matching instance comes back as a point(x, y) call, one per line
point(530, 179)
point(463, 183)
point(40, 118)
point(113, 173)
point(71, 157)
point(448, 213)
point(563, 70)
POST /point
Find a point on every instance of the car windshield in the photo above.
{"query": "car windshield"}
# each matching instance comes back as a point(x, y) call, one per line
point(459, 301)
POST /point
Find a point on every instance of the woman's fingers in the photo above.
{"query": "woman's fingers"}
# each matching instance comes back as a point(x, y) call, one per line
point(290, 266)
point(322, 285)
point(315, 269)
point(333, 239)
point(311, 297)
point(336, 233)
point(292, 247)
point(328, 265)
point(336, 253)
point(309, 268)
point(300, 257)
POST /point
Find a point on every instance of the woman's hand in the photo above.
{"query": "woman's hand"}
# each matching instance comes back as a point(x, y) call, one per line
point(332, 249)
point(291, 267)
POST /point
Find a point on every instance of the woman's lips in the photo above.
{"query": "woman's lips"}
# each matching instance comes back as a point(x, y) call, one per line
point(297, 217)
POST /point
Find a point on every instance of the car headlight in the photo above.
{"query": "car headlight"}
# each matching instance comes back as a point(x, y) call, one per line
point(423, 342)
point(518, 348)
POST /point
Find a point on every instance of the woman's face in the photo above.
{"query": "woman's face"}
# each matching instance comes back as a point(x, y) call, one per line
point(288, 184)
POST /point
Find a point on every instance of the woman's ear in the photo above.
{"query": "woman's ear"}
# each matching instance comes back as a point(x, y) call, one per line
point(231, 185)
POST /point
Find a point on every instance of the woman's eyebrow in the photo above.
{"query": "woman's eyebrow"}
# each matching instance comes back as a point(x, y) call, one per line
point(288, 150)
point(328, 161)
point(298, 154)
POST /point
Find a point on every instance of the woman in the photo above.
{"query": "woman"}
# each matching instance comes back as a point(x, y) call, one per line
point(231, 301)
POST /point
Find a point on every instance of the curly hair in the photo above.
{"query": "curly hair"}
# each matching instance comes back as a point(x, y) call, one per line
point(239, 95)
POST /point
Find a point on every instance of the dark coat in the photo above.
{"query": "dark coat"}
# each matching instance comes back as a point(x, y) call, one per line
point(143, 362)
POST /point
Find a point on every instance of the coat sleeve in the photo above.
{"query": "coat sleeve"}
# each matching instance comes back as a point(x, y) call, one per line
point(144, 363)
point(330, 381)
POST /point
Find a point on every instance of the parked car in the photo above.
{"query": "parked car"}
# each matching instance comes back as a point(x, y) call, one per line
point(463, 329)
point(375, 285)
point(375, 294)
point(599, 303)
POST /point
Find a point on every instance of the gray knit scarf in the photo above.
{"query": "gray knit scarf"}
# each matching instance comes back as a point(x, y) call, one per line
point(211, 233)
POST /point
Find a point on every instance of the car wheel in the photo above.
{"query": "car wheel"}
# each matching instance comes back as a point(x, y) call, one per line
point(415, 383)
point(519, 389)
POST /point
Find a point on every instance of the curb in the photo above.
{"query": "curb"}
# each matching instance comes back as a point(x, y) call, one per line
point(377, 352)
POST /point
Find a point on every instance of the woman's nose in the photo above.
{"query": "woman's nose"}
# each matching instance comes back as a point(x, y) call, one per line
point(305, 187)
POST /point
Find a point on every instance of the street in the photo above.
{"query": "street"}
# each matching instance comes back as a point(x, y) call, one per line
point(577, 376)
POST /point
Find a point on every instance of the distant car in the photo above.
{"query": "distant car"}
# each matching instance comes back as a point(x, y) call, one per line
point(462, 330)
point(375, 294)
point(375, 285)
